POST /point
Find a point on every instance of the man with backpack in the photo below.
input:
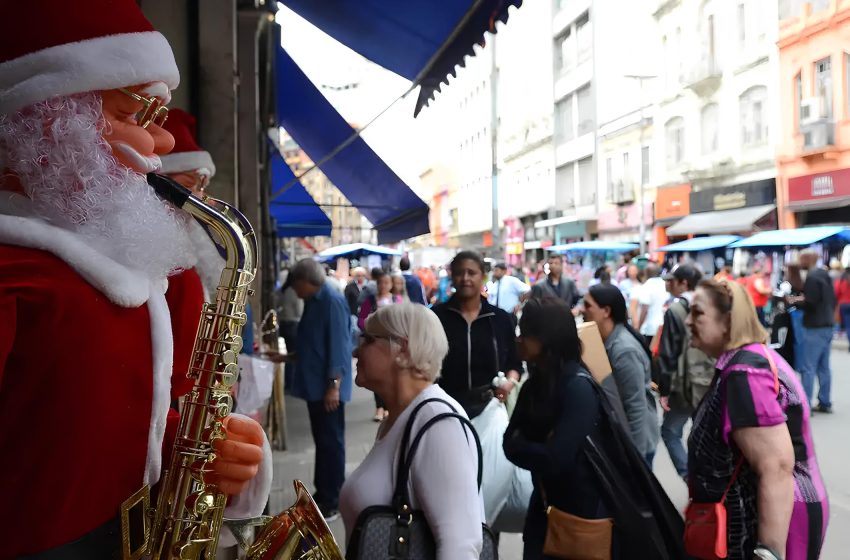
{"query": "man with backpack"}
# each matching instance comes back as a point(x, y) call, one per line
point(685, 373)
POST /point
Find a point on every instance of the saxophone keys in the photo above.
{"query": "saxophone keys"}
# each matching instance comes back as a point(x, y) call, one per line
point(228, 376)
point(201, 502)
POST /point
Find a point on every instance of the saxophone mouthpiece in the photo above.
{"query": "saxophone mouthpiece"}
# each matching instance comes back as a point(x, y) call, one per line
point(169, 190)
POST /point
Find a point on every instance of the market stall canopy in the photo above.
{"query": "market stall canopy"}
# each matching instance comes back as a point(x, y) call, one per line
point(421, 40)
point(357, 250)
point(794, 237)
point(597, 246)
point(351, 165)
point(699, 244)
point(721, 221)
point(295, 212)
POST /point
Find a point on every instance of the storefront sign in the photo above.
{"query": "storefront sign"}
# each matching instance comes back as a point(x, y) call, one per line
point(672, 202)
point(820, 186)
point(755, 193)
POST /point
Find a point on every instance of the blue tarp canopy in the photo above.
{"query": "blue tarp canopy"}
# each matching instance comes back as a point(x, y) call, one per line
point(700, 244)
point(294, 211)
point(356, 250)
point(595, 246)
point(794, 237)
point(351, 165)
point(421, 40)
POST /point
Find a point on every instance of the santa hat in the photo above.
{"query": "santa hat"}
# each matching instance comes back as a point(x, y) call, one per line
point(186, 155)
point(50, 48)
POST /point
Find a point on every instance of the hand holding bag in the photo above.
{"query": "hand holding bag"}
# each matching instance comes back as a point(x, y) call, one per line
point(398, 532)
point(705, 523)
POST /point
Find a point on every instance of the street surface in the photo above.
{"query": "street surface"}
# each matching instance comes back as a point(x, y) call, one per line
point(830, 433)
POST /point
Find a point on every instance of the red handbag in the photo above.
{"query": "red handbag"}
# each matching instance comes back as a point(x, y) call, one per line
point(705, 523)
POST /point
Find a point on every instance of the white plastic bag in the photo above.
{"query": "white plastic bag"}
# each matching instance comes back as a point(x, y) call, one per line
point(255, 384)
point(496, 481)
point(512, 517)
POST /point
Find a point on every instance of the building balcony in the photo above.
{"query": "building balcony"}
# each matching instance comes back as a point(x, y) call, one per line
point(704, 77)
point(621, 192)
point(818, 136)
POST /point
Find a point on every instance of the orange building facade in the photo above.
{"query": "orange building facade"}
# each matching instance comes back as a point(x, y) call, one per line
point(813, 157)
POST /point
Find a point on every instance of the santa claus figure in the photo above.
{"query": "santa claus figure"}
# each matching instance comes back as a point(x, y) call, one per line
point(86, 248)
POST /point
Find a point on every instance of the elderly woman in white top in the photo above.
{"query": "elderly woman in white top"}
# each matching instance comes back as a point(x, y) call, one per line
point(399, 358)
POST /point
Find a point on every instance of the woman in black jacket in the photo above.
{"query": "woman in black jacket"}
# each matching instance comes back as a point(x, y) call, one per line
point(481, 339)
point(580, 458)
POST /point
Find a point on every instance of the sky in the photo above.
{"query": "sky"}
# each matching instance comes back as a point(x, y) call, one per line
point(396, 135)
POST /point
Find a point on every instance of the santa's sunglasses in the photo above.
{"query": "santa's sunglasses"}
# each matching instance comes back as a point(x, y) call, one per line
point(154, 110)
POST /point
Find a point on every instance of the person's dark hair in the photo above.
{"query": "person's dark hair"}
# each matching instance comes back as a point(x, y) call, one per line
point(376, 272)
point(309, 271)
point(404, 264)
point(846, 274)
point(290, 278)
point(550, 321)
point(600, 271)
point(501, 266)
point(467, 256)
point(556, 256)
point(606, 295)
point(652, 270)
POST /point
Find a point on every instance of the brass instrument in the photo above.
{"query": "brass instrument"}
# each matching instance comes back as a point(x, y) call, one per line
point(189, 514)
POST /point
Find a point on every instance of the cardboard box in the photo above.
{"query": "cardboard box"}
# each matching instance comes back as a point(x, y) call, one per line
point(593, 351)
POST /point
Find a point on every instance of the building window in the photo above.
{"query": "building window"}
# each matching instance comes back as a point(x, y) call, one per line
point(665, 61)
point(586, 111)
point(565, 52)
point(627, 173)
point(709, 128)
point(753, 116)
point(565, 186)
point(644, 165)
point(564, 127)
point(823, 87)
point(742, 26)
point(674, 134)
point(586, 182)
point(584, 37)
point(609, 178)
point(798, 96)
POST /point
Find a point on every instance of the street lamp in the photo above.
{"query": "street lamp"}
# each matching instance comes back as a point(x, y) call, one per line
point(641, 78)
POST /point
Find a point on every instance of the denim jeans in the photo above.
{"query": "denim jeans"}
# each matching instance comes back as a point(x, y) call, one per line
point(815, 362)
point(844, 310)
point(672, 429)
point(329, 436)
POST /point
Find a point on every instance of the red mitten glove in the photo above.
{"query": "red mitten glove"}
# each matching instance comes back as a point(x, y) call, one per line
point(238, 456)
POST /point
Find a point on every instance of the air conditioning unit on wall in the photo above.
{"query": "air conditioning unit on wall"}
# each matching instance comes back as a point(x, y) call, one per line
point(809, 110)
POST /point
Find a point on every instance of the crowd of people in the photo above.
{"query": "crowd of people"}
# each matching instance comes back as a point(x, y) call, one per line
point(680, 341)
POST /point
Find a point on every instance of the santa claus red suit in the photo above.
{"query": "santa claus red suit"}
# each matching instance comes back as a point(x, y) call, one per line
point(86, 342)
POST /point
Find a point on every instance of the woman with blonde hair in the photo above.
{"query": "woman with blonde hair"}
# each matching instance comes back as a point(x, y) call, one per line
point(399, 358)
point(751, 446)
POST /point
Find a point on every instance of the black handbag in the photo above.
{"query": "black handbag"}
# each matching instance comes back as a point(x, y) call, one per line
point(397, 532)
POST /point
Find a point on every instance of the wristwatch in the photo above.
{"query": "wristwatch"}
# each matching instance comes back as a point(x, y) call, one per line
point(762, 552)
point(333, 382)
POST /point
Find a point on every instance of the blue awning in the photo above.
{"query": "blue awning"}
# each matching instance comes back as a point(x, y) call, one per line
point(595, 246)
point(421, 40)
point(356, 170)
point(700, 244)
point(794, 237)
point(355, 250)
point(294, 211)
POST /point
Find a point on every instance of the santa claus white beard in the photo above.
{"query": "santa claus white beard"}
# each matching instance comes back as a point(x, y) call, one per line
point(57, 151)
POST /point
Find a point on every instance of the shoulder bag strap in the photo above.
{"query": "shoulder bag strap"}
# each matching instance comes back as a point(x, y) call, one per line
point(405, 440)
point(775, 371)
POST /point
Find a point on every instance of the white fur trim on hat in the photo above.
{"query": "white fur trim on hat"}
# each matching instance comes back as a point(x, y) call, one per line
point(102, 63)
point(183, 162)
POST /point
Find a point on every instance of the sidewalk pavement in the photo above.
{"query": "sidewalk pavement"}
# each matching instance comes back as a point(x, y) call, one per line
point(830, 434)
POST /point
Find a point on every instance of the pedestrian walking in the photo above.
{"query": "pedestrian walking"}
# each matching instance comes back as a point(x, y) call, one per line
point(323, 377)
point(413, 285)
point(630, 364)
point(842, 300)
point(759, 290)
point(399, 289)
point(353, 289)
point(505, 291)
point(818, 303)
point(589, 481)
point(399, 358)
point(481, 339)
point(652, 297)
point(290, 312)
point(751, 452)
point(556, 284)
point(684, 372)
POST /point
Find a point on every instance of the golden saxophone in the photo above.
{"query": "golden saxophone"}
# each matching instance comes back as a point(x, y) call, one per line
point(189, 513)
